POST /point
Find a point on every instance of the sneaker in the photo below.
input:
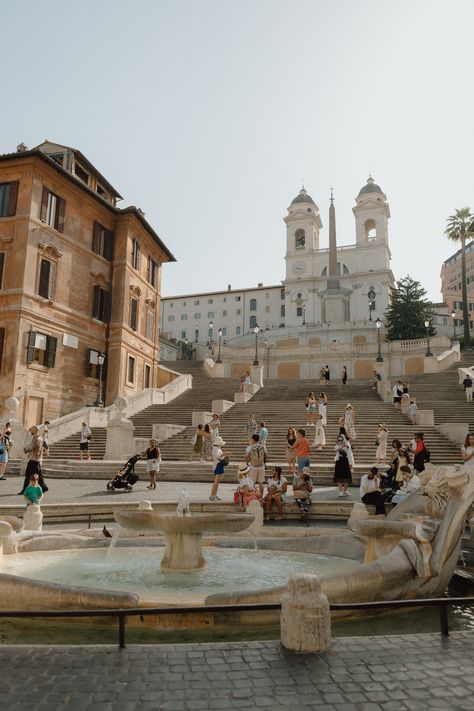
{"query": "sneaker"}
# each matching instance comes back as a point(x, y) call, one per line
point(341, 493)
point(347, 493)
point(3, 478)
point(217, 498)
point(213, 498)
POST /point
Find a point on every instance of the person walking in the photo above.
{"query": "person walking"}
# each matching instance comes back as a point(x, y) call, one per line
point(263, 434)
point(152, 455)
point(319, 435)
point(343, 465)
point(322, 408)
point(218, 459)
point(3, 456)
point(421, 455)
point(412, 410)
point(251, 427)
point(349, 422)
point(370, 491)
point(310, 405)
point(197, 442)
point(43, 429)
point(207, 444)
point(34, 450)
point(397, 392)
point(290, 455)
point(467, 385)
point(302, 449)
point(214, 425)
point(381, 443)
point(344, 375)
point(84, 444)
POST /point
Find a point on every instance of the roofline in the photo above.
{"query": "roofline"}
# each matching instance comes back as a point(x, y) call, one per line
point(37, 153)
point(102, 179)
point(469, 244)
point(223, 291)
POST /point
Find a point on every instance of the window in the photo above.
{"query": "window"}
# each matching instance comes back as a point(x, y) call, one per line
point(183, 334)
point(282, 293)
point(210, 301)
point(253, 304)
point(210, 314)
point(102, 241)
point(100, 303)
point(152, 272)
point(267, 309)
point(147, 376)
point(282, 310)
point(225, 299)
point(8, 196)
point(150, 324)
point(46, 277)
point(370, 230)
point(170, 318)
point(224, 331)
point(134, 314)
point(131, 369)
point(2, 264)
point(299, 310)
point(136, 254)
point(300, 239)
point(171, 305)
point(81, 173)
point(237, 298)
point(238, 312)
point(237, 331)
point(41, 349)
point(267, 295)
point(53, 209)
point(196, 303)
point(184, 317)
point(253, 321)
point(224, 313)
point(197, 315)
point(92, 364)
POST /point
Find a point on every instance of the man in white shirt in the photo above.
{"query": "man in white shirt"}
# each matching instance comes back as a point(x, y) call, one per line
point(411, 483)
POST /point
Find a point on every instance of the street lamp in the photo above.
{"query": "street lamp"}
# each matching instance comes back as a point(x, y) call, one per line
point(428, 351)
point(304, 314)
point(196, 333)
point(100, 361)
point(379, 358)
point(219, 353)
point(453, 316)
point(256, 330)
point(211, 326)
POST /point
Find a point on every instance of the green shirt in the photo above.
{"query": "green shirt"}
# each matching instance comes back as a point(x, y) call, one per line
point(33, 493)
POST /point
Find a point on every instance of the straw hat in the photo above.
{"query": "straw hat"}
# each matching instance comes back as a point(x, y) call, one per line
point(243, 469)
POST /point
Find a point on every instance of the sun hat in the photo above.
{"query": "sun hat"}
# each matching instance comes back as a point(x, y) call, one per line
point(218, 442)
point(243, 468)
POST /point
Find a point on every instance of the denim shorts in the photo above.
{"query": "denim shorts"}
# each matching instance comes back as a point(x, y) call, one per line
point(302, 462)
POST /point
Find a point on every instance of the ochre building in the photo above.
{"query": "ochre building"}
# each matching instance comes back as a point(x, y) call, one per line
point(79, 278)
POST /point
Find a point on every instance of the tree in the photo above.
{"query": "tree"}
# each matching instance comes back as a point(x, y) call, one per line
point(458, 228)
point(407, 311)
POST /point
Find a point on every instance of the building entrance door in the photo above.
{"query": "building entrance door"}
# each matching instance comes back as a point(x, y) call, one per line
point(34, 414)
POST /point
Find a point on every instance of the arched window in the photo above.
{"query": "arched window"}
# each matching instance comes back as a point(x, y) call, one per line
point(237, 331)
point(282, 310)
point(253, 304)
point(370, 230)
point(300, 239)
point(341, 269)
point(253, 321)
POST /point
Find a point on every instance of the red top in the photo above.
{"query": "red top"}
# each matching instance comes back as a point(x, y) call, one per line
point(302, 447)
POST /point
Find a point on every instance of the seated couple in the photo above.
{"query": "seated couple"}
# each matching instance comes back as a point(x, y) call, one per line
point(277, 487)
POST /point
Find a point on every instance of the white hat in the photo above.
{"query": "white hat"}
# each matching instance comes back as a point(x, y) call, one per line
point(243, 469)
point(306, 470)
point(218, 442)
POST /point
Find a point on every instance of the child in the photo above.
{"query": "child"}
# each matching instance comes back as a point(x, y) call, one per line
point(412, 412)
point(33, 493)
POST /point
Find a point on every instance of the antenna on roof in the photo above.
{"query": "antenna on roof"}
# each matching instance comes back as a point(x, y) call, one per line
point(21, 148)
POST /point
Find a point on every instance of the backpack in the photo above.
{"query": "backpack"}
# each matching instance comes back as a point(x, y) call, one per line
point(257, 455)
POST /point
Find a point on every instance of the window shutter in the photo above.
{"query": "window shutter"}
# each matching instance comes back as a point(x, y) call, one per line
point(12, 198)
point(30, 354)
point(109, 245)
point(88, 365)
point(50, 354)
point(61, 213)
point(106, 310)
point(44, 204)
point(2, 342)
point(96, 302)
point(133, 314)
point(44, 278)
point(2, 264)
point(96, 238)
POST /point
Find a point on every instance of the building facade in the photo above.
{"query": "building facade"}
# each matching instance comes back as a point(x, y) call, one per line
point(79, 278)
point(451, 288)
point(330, 287)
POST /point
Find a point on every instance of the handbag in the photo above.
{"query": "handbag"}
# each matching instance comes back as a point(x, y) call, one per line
point(237, 497)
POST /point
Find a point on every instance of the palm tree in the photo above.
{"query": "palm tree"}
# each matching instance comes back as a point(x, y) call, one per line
point(459, 227)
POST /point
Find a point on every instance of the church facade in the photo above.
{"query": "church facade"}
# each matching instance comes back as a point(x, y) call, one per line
point(330, 288)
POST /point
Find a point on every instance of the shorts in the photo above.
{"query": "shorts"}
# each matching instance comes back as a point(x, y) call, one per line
point(302, 462)
point(84, 446)
point(311, 408)
point(257, 474)
point(152, 465)
point(397, 399)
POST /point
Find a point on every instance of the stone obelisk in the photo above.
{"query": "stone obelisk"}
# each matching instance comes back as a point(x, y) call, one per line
point(333, 279)
point(335, 298)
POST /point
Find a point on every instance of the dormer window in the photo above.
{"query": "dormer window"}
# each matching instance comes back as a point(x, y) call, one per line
point(300, 239)
point(80, 173)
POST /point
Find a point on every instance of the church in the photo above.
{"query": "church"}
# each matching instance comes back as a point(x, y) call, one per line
point(334, 289)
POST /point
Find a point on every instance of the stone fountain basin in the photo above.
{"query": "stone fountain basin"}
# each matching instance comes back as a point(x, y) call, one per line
point(196, 524)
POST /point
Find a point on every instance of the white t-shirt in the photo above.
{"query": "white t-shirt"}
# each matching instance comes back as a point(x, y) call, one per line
point(216, 455)
point(470, 463)
point(278, 485)
point(248, 482)
point(368, 485)
point(85, 433)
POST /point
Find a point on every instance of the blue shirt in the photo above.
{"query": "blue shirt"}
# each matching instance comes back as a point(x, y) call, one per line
point(33, 493)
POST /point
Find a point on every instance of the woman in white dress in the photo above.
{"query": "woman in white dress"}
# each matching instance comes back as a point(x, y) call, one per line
point(349, 422)
point(381, 442)
point(467, 452)
point(322, 407)
point(319, 434)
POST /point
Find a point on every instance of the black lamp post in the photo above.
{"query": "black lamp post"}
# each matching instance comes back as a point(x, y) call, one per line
point(256, 330)
point(379, 358)
point(196, 333)
point(453, 316)
point(219, 352)
point(100, 361)
point(428, 351)
point(304, 314)
point(371, 296)
point(211, 326)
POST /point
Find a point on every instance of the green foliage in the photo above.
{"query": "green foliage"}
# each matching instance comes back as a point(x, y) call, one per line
point(407, 311)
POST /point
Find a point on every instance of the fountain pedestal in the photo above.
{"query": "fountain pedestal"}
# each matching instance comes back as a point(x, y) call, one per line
point(183, 552)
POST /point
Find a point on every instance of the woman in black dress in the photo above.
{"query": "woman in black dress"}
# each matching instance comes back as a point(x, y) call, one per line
point(343, 463)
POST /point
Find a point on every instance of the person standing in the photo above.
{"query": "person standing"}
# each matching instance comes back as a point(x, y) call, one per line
point(34, 450)
point(467, 384)
point(290, 455)
point(251, 427)
point(370, 491)
point(344, 463)
point(214, 425)
point(152, 455)
point(263, 434)
point(381, 442)
point(84, 444)
point(302, 449)
point(349, 422)
point(467, 452)
point(255, 457)
point(421, 455)
point(319, 435)
point(412, 410)
point(207, 444)
point(197, 442)
point(397, 392)
point(44, 432)
point(344, 375)
point(217, 467)
point(3, 456)
point(310, 408)
point(327, 375)
point(322, 408)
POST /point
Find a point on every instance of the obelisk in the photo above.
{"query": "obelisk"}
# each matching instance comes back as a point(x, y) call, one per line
point(333, 279)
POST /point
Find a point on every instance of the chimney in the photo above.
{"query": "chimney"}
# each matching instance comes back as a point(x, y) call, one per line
point(260, 285)
point(21, 148)
point(229, 287)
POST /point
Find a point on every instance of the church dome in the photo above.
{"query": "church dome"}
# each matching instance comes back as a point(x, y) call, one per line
point(303, 197)
point(370, 187)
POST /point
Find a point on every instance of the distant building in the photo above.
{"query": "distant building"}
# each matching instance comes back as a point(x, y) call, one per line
point(451, 284)
point(78, 277)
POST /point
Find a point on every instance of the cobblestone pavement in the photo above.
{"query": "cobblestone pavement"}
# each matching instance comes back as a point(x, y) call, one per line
point(388, 673)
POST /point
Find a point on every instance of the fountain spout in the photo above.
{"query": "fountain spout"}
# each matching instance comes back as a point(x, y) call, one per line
point(182, 509)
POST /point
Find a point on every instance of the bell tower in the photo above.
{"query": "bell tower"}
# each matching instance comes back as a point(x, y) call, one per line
point(303, 223)
point(371, 213)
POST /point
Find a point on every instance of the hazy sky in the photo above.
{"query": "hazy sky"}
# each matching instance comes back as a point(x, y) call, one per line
point(208, 113)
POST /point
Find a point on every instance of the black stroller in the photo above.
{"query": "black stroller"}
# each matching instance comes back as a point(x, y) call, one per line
point(125, 478)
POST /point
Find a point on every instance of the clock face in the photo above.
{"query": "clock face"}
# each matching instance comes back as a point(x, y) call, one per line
point(299, 268)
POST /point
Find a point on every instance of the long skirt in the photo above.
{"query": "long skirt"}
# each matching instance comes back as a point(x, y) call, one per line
point(342, 471)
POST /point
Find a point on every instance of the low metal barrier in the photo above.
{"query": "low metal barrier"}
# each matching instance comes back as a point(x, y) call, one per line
point(121, 614)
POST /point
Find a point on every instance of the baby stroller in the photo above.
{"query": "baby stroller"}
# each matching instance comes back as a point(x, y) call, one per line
point(125, 478)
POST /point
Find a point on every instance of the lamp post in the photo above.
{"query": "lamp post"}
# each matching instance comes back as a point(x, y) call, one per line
point(100, 361)
point(186, 349)
point(453, 316)
point(219, 352)
point(196, 333)
point(371, 296)
point(379, 358)
point(304, 314)
point(211, 326)
point(428, 351)
point(256, 330)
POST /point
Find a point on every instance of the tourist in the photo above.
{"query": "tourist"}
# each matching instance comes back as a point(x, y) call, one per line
point(310, 405)
point(152, 455)
point(376, 379)
point(44, 432)
point(3, 456)
point(218, 459)
point(344, 375)
point(7, 434)
point(302, 488)
point(344, 462)
point(421, 453)
point(34, 450)
point(405, 402)
point(85, 441)
point(381, 443)
point(277, 487)
point(319, 435)
point(290, 455)
point(255, 457)
point(322, 408)
point(263, 434)
point(327, 375)
point(397, 391)
point(411, 483)
point(245, 380)
point(467, 385)
point(197, 442)
point(247, 490)
point(207, 444)
point(214, 425)
point(33, 492)
point(302, 449)
point(467, 452)
point(370, 492)
point(251, 427)
point(349, 422)
point(403, 460)
point(412, 410)
point(322, 378)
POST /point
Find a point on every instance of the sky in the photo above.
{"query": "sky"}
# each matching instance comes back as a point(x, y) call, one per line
point(208, 114)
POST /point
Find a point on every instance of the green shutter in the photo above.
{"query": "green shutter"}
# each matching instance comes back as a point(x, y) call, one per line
point(50, 354)
point(44, 279)
point(30, 354)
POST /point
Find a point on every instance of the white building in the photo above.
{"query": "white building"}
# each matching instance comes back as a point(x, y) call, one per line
point(331, 288)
